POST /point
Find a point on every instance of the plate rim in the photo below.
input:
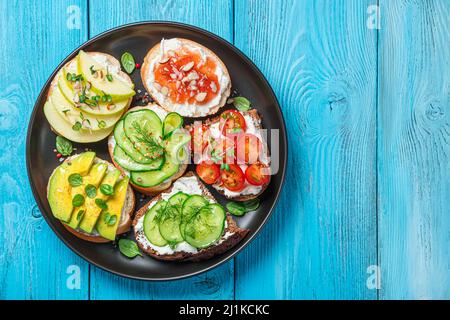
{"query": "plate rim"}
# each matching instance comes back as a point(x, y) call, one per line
point(247, 240)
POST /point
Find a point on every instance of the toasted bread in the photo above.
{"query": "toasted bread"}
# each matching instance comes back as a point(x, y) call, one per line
point(151, 191)
point(256, 118)
point(232, 234)
point(191, 110)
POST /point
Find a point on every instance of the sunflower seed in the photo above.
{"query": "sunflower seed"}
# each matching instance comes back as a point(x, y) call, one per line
point(188, 66)
point(200, 97)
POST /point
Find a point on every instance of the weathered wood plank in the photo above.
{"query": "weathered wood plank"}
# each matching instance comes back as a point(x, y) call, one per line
point(35, 38)
point(217, 17)
point(321, 60)
point(414, 149)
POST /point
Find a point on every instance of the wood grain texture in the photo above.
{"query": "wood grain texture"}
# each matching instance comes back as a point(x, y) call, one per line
point(214, 16)
point(414, 149)
point(35, 38)
point(321, 60)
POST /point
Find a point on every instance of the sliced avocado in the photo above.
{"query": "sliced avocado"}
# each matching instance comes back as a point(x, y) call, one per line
point(67, 90)
point(92, 209)
point(62, 127)
point(115, 205)
point(59, 190)
point(116, 88)
point(94, 177)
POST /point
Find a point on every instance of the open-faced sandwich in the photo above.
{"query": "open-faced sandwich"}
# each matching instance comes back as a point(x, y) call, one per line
point(91, 198)
point(185, 77)
point(231, 154)
point(87, 97)
point(150, 146)
point(185, 223)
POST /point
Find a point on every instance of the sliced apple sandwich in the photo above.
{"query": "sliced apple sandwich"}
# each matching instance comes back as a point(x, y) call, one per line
point(88, 96)
point(184, 76)
point(185, 223)
point(91, 198)
point(150, 146)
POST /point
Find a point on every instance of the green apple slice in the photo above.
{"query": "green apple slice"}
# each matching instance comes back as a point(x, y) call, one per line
point(74, 115)
point(67, 90)
point(63, 128)
point(116, 88)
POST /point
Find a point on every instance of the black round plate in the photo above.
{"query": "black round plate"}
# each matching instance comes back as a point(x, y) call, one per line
point(138, 39)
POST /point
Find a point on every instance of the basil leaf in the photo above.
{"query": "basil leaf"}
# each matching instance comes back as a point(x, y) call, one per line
point(109, 219)
point(80, 214)
point(107, 189)
point(91, 191)
point(75, 180)
point(78, 200)
point(128, 62)
point(129, 248)
point(241, 103)
point(77, 126)
point(236, 208)
point(101, 204)
point(251, 205)
point(64, 146)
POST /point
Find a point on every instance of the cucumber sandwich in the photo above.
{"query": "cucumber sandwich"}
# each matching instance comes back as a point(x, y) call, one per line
point(151, 147)
point(185, 223)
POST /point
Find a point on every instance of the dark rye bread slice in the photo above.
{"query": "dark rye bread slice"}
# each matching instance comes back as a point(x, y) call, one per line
point(252, 113)
point(237, 233)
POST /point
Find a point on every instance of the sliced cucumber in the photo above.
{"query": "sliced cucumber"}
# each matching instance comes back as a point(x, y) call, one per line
point(191, 206)
point(125, 144)
point(176, 146)
point(169, 225)
point(178, 199)
point(143, 127)
point(206, 227)
point(129, 164)
point(151, 228)
point(152, 178)
point(172, 122)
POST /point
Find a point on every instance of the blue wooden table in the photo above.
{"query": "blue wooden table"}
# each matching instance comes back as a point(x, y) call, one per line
point(365, 211)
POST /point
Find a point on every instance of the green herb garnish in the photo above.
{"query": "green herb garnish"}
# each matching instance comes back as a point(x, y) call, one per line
point(75, 180)
point(77, 126)
point(129, 248)
point(64, 146)
point(241, 103)
point(107, 189)
point(91, 191)
point(241, 208)
point(78, 200)
point(80, 214)
point(144, 137)
point(101, 124)
point(101, 204)
point(109, 219)
point(128, 62)
point(225, 166)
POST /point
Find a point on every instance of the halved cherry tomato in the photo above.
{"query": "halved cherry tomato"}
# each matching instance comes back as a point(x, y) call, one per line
point(222, 150)
point(257, 174)
point(248, 148)
point(232, 177)
point(199, 141)
point(232, 122)
point(208, 171)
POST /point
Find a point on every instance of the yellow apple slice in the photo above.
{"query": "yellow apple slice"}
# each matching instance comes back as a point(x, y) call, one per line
point(116, 88)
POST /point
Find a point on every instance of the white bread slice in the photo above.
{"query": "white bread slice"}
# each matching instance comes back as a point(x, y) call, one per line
point(125, 217)
point(151, 191)
point(159, 53)
point(232, 234)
